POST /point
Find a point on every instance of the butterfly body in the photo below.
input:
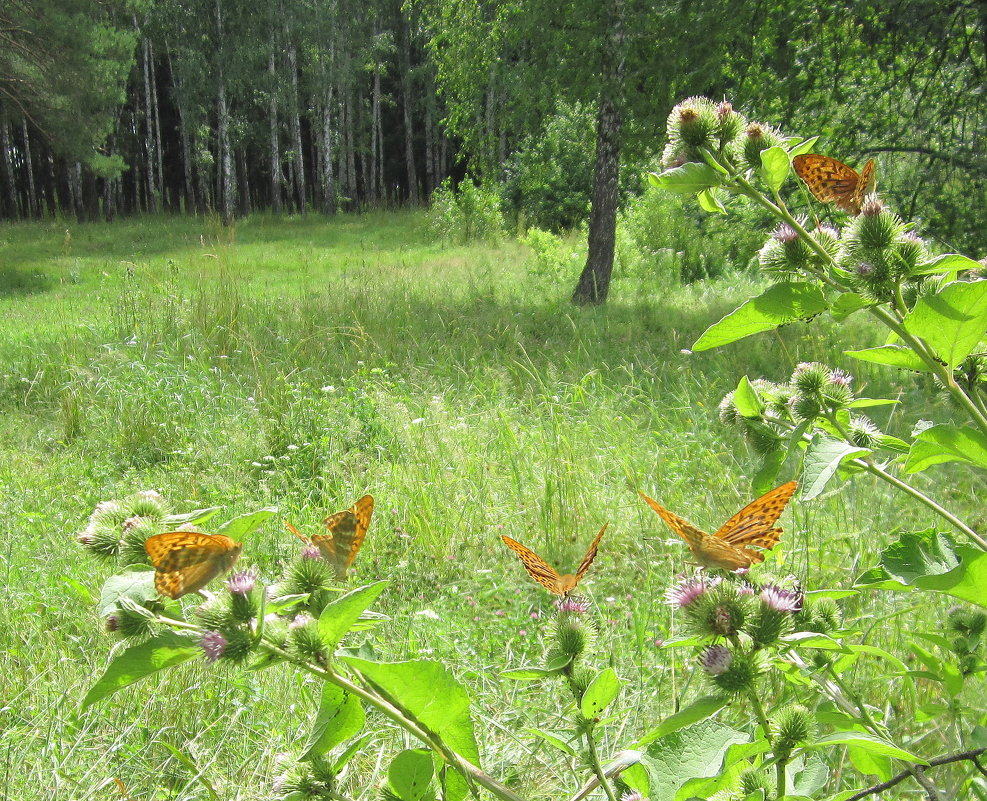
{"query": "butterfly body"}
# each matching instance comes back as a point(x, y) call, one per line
point(832, 181)
point(347, 530)
point(546, 575)
point(728, 549)
point(186, 561)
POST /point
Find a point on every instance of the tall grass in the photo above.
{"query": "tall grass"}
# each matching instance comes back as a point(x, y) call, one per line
point(302, 362)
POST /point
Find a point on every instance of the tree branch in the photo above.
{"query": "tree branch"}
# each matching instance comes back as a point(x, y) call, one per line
point(943, 760)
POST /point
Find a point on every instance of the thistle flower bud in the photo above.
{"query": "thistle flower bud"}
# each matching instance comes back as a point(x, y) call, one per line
point(136, 531)
point(872, 206)
point(716, 660)
point(735, 674)
point(791, 727)
point(728, 409)
point(772, 620)
point(303, 633)
point(213, 645)
point(965, 621)
point(762, 439)
point(804, 407)
point(216, 613)
point(695, 123)
point(306, 575)
point(863, 433)
point(573, 635)
point(752, 780)
point(146, 504)
point(730, 123)
point(719, 612)
point(809, 378)
point(755, 138)
point(244, 596)
point(239, 644)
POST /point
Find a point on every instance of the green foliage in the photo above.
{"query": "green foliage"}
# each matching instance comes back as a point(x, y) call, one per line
point(548, 179)
point(468, 213)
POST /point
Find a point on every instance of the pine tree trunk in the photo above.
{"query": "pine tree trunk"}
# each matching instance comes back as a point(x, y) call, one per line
point(296, 131)
point(6, 144)
point(34, 209)
point(149, 141)
point(328, 184)
point(244, 182)
point(594, 282)
point(376, 160)
point(275, 140)
point(406, 97)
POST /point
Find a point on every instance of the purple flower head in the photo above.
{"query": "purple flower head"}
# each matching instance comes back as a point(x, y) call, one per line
point(784, 233)
point(746, 588)
point(634, 795)
point(311, 552)
point(214, 645)
point(872, 207)
point(780, 599)
point(130, 522)
point(242, 582)
point(85, 537)
point(865, 269)
point(300, 621)
point(716, 660)
point(685, 593)
point(841, 377)
point(723, 110)
point(572, 605)
point(112, 623)
point(828, 231)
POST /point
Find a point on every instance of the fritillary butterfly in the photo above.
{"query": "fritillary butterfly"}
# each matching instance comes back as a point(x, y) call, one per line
point(186, 561)
point(832, 181)
point(546, 575)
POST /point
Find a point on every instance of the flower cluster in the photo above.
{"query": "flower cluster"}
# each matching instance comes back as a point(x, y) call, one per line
point(118, 528)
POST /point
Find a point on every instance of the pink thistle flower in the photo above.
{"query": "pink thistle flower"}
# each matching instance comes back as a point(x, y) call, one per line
point(785, 234)
point(723, 109)
point(634, 795)
point(685, 593)
point(841, 377)
point(311, 552)
point(572, 605)
point(301, 620)
point(112, 623)
point(242, 583)
point(716, 660)
point(214, 645)
point(779, 599)
point(522, 632)
point(536, 615)
point(746, 588)
point(872, 207)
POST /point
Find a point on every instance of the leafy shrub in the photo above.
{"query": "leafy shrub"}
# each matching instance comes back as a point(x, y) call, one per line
point(467, 214)
point(553, 256)
point(550, 178)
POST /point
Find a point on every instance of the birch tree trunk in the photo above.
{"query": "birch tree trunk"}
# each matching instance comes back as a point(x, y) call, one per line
point(296, 131)
point(149, 141)
point(406, 94)
point(275, 141)
point(376, 157)
point(34, 208)
point(227, 180)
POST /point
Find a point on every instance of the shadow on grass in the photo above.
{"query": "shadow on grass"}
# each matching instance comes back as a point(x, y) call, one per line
point(22, 281)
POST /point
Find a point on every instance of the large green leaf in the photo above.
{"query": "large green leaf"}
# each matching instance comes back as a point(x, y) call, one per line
point(341, 615)
point(893, 355)
point(164, 651)
point(746, 399)
point(775, 165)
point(865, 742)
point(946, 443)
point(698, 710)
point(240, 527)
point(432, 696)
point(410, 774)
point(782, 303)
point(929, 560)
point(689, 179)
point(846, 304)
point(953, 321)
point(137, 585)
point(822, 459)
point(340, 717)
point(600, 693)
point(946, 263)
point(690, 753)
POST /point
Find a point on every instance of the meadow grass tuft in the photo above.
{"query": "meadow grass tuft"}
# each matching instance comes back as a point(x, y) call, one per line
point(301, 362)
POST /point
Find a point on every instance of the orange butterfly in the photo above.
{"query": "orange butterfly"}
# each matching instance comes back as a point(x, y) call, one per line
point(186, 561)
point(548, 576)
point(832, 181)
point(347, 531)
point(727, 549)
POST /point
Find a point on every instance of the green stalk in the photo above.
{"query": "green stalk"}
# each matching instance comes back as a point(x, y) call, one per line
point(594, 757)
point(781, 778)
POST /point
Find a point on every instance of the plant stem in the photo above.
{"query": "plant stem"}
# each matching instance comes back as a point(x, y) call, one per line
point(594, 757)
point(781, 778)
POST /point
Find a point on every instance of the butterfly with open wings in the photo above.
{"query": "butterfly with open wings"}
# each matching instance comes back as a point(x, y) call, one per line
point(729, 549)
point(832, 181)
point(546, 575)
point(186, 561)
point(347, 530)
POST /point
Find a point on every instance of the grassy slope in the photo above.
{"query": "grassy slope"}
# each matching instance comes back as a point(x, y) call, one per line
point(301, 363)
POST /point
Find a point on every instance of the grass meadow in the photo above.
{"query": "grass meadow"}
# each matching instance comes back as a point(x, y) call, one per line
point(301, 362)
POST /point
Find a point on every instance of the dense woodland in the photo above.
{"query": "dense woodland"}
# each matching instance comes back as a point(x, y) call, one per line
point(121, 107)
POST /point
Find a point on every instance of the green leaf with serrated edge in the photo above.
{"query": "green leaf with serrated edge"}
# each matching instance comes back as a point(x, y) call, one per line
point(746, 400)
point(239, 527)
point(822, 459)
point(428, 691)
point(953, 321)
point(864, 403)
point(782, 303)
point(194, 518)
point(410, 773)
point(805, 146)
point(813, 639)
point(947, 263)
point(891, 355)
point(870, 743)
point(775, 166)
point(340, 717)
point(338, 616)
point(846, 304)
point(946, 443)
point(689, 179)
point(164, 651)
point(137, 585)
point(709, 201)
point(600, 693)
point(698, 710)
point(554, 740)
point(696, 751)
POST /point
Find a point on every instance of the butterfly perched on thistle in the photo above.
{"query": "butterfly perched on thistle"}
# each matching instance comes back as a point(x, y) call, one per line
point(832, 181)
point(546, 575)
point(728, 548)
point(186, 561)
point(347, 530)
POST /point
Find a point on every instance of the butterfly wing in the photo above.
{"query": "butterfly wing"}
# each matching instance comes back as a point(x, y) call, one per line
point(754, 524)
point(832, 181)
point(692, 535)
point(540, 570)
point(864, 186)
point(347, 532)
point(185, 561)
point(590, 554)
